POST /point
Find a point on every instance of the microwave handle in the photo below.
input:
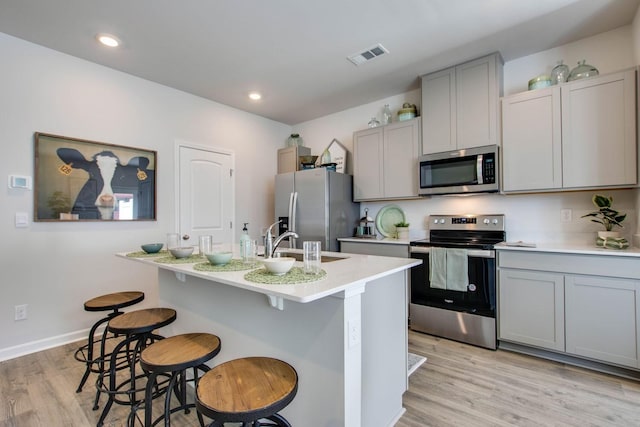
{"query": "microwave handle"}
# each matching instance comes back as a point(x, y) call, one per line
point(479, 169)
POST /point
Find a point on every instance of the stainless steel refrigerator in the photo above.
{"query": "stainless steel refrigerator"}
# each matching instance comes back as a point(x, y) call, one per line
point(317, 204)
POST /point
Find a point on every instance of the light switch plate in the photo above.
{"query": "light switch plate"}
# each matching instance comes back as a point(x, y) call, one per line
point(22, 219)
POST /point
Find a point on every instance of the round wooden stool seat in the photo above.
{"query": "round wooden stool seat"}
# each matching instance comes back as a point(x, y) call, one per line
point(175, 355)
point(114, 302)
point(179, 352)
point(142, 321)
point(247, 390)
point(137, 327)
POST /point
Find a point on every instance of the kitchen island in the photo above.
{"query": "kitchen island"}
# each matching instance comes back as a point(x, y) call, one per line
point(345, 334)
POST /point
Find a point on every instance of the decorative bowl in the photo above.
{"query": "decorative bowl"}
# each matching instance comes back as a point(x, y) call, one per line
point(151, 248)
point(181, 252)
point(279, 266)
point(219, 258)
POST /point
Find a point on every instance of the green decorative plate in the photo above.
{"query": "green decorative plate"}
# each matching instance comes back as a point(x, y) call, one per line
point(387, 218)
point(295, 276)
point(233, 265)
point(143, 254)
point(172, 260)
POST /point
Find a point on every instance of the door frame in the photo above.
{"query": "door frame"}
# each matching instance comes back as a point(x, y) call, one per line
point(176, 168)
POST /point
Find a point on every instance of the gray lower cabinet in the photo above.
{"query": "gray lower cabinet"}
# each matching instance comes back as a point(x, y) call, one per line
point(602, 318)
point(371, 248)
point(581, 305)
point(531, 308)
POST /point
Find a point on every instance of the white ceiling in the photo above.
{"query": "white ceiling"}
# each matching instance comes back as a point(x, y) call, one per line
point(294, 51)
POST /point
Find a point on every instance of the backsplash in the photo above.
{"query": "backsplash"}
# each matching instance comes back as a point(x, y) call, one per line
point(528, 217)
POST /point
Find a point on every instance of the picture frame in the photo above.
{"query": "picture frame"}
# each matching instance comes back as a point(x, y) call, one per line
point(338, 155)
point(82, 180)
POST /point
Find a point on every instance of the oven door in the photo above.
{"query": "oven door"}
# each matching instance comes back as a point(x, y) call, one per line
point(480, 299)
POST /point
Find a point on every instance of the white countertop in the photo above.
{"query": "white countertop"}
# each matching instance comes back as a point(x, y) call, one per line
point(571, 248)
point(343, 275)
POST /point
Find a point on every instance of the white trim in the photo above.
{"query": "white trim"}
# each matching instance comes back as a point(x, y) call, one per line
point(43, 344)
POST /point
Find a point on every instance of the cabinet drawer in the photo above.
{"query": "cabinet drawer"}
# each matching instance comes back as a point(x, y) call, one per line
point(598, 265)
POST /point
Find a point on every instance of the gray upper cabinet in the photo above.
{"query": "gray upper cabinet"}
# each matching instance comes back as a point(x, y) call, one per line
point(577, 135)
point(460, 105)
point(385, 161)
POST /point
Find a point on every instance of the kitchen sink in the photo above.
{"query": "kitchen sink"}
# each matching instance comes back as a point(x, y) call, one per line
point(299, 256)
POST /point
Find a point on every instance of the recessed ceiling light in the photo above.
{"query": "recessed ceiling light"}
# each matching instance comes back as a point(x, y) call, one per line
point(108, 40)
point(255, 96)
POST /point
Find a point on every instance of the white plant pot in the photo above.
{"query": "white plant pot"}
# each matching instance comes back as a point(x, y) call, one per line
point(402, 233)
point(608, 234)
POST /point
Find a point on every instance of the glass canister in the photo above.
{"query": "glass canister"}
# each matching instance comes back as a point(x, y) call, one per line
point(560, 73)
point(374, 122)
point(386, 114)
point(294, 139)
point(582, 71)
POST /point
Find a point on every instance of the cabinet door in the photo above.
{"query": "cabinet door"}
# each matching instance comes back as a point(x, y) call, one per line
point(602, 318)
point(599, 131)
point(439, 111)
point(531, 141)
point(531, 308)
point(367, 164)
point(476, 103)
point(400, 159)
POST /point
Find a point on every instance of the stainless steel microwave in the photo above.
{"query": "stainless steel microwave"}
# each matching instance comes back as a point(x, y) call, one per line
point(473, 170)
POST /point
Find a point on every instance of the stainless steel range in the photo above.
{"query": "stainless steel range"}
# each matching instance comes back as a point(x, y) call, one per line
point(453, 292)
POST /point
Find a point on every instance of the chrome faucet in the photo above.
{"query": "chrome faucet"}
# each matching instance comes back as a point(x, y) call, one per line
point(270, 245)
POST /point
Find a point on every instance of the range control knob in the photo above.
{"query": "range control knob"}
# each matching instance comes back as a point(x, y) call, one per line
point(495, 221)
point(486, 221)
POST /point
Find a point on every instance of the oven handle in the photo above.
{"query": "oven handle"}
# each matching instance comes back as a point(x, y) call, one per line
point(475, 253)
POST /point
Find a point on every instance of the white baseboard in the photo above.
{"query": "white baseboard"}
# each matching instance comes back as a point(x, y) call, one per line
point(43, 344)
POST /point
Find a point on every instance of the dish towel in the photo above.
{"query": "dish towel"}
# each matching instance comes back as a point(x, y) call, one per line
point(438, 268)
point(457, 270)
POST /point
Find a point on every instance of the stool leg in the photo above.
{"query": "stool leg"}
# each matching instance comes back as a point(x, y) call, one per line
point(112, 375)
point(279, 420)
point(99, 381)
point(90, 360)
point(151, 382)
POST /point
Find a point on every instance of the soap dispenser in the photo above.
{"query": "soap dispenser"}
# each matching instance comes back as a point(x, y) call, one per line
point(244, 237)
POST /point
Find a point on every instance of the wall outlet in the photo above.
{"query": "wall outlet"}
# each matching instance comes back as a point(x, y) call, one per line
point(21, 312)
point(565, 215)
point(353, 333)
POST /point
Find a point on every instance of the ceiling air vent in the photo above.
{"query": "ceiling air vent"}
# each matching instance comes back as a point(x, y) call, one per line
point(367, 54)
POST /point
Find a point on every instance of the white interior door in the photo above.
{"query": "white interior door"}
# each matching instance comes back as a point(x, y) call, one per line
point(205, 194)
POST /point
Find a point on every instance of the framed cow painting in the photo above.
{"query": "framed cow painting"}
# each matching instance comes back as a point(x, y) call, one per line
point(82, 180)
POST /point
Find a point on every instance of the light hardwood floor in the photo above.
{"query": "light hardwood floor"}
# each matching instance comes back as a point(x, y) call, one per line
point(459, 385)
point(463, 385)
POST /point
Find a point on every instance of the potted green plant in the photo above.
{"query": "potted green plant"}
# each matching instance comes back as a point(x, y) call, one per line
point(402, 230)
point(60, 204)
point(606, 215)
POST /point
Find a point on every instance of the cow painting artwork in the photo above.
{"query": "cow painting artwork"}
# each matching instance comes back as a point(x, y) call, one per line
point(84, 180)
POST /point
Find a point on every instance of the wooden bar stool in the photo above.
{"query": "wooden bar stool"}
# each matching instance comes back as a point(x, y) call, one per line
point(110, 302)
point(174, 356)
point(118, 378)
point(246, 391)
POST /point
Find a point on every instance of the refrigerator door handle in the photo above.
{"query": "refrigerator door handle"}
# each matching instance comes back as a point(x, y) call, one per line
point(293, 204)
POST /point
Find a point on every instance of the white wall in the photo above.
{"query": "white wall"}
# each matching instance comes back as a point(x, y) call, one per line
point(55, 267)
point(531, 217)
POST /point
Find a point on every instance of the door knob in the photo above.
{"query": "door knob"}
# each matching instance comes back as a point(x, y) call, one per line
point(185, 237)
